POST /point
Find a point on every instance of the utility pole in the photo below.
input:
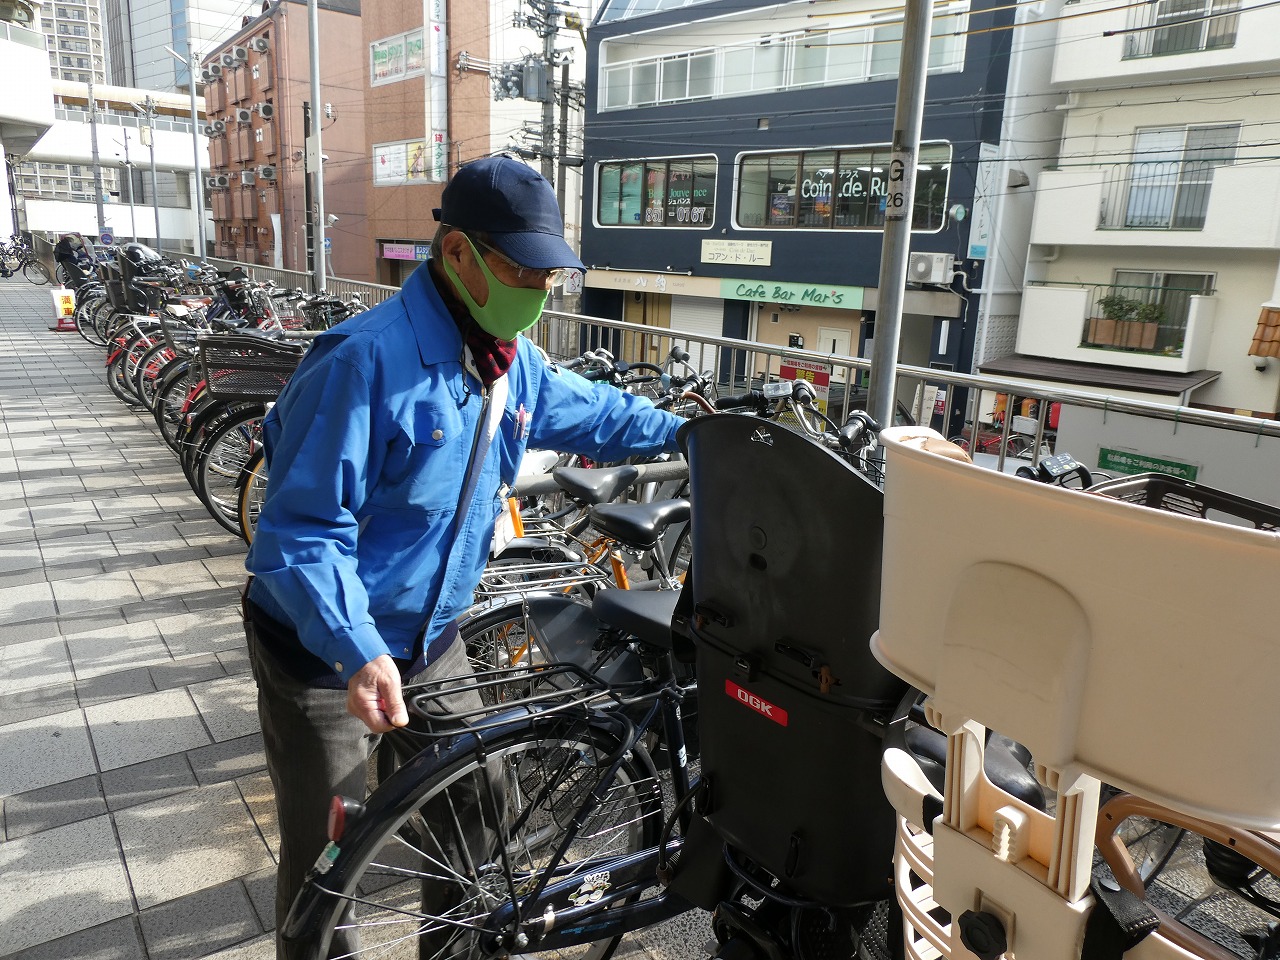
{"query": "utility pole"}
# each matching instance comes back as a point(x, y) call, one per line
point(93, 146)
point(313, 146)
point(148, 109)
point(128, 169)
point(306, 182)
point(190, 61)
point(563, 149)
point(549, 30)
point(907, 120)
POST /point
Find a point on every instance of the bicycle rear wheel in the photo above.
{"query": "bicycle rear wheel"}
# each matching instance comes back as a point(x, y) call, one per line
point(455, 835)
point(36, 272)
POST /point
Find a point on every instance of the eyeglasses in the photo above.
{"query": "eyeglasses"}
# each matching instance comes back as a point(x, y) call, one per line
point(549, 278)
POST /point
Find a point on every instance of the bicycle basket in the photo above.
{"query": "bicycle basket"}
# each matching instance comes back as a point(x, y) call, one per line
point(1160, 491)
point(181, 337)
point(245, 367)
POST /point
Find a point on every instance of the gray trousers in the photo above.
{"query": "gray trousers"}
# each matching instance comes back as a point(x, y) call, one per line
point(314, 750)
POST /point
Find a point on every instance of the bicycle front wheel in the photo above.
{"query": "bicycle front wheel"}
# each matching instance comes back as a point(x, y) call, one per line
point(36, 272)
point(453, 838)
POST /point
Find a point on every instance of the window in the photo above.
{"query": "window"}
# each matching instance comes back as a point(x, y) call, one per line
point(1172, 174)
point(1180, 26)
point(656, 193)
point(837, 189)
point(624, 9)
point(787, 61)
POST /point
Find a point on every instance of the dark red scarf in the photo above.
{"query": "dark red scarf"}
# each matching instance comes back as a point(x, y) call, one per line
point(493, 357)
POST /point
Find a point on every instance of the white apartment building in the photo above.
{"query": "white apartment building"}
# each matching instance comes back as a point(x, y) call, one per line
point(139, 30)
point(1155, 243)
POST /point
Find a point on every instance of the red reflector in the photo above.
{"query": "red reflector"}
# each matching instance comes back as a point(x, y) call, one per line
point(761, 706)
point(337, 818)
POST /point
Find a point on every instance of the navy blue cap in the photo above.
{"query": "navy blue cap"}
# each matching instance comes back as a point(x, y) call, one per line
point(514, 205)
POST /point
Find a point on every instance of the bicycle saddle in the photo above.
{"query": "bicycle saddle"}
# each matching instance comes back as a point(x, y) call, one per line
point(595, 485)
point(639, 524)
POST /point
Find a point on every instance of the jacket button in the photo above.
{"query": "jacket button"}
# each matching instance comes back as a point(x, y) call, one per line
point(437, 434)
point(338, 665)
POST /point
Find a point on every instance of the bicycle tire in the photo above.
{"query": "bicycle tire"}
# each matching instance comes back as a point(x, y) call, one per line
point(377, 880)
point(179, 379)
point(960, 441)
point(253, 491)
point(224, 454)
point(36, 272)
point(116, 380)
point(150, 369)
point(83, 317)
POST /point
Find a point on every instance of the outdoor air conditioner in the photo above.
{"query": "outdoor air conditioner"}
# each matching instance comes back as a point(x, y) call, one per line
point(267, 172)
point(261, 44)
point(223, 180)
point(266, 110)
point(248, 178)
point(209, 130)
point(214, 70)
point(205, 75)
point(220, 126)
point(228, 59)
point(240, 54)
point(929, 268)
point(244, 115)
point(211, 182)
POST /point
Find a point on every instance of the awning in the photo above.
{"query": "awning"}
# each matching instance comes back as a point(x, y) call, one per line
point(1157, 382)
point(1266, 339)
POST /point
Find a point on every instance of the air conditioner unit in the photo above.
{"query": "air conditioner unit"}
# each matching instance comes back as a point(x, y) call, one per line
point(214, 70)
point(248, 178)
point(209, 130)
point(223, 180)
point(228, 59)
point(261, 44)
point(211, 182)
point(266, 110)
point(267, 172)
point(205, 75)
point(929, 267)
point(219, 126)
point(240, 54)
point(244, 115)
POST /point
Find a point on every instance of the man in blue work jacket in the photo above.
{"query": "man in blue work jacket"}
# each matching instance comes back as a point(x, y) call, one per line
point(387, 453)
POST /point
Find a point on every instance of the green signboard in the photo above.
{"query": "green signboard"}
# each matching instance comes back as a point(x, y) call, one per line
point(1126, 461)
point(801, 294)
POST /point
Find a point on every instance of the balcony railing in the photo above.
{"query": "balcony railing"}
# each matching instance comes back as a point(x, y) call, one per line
point(1157, 195)
point(1180, 26)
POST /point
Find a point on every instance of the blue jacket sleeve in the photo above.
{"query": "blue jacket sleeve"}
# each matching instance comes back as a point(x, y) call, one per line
point(575, 415)
point(319, 453)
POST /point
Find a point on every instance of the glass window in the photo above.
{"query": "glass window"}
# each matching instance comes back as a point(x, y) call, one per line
point(886, 50)
point(675, 79)
point(810, 60)
point(781, 190)
point(817, 177)
point(617, 86)
point(753, 191)
point(766, 70)
point(932, 173)
point(736, 75)
point(702, 75)
point(644, 83)
point(655, 193)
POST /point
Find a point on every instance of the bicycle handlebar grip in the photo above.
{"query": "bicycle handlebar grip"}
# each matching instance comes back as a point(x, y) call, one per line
point(752, 398)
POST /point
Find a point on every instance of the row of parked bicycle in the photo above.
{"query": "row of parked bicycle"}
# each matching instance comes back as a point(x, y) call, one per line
point(610, 793)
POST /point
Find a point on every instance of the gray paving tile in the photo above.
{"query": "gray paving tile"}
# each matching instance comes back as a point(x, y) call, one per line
point(53, 806)
point(228, 760)
point(199, 923)
point(33, 664)
point(40, 702)
point(143, 728)
point(121, 647)
point(261, 799)
point(28, 630)
point(213, 631)
point(260, 948)
point(173, 580)
point(44, 750)
point(189, 842)
point(59, 882)
point(182, 673)
point(93, 593)
point(115, 940)
point(228, 706)
point(115, 686)
point(261, 887)
point(30, 602)
point(91, 620)
point(66, 513)
point(235, 661)
point(147, 781)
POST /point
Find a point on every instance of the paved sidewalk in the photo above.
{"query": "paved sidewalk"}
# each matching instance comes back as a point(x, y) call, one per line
point(137, 821)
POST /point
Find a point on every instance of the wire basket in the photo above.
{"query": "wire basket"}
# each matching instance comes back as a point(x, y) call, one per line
point(181, 337)
point(245, 367)
point(1161, 491)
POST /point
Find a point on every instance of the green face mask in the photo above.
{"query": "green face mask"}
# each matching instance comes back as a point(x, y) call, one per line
point(509, 311)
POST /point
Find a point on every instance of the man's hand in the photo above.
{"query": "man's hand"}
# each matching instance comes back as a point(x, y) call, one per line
point(373, 695)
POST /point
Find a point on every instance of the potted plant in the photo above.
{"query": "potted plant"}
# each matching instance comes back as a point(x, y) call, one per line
point(1116, 309)
point(1143, 329)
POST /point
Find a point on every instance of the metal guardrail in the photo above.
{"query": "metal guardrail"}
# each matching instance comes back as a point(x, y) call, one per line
point(369, 293)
